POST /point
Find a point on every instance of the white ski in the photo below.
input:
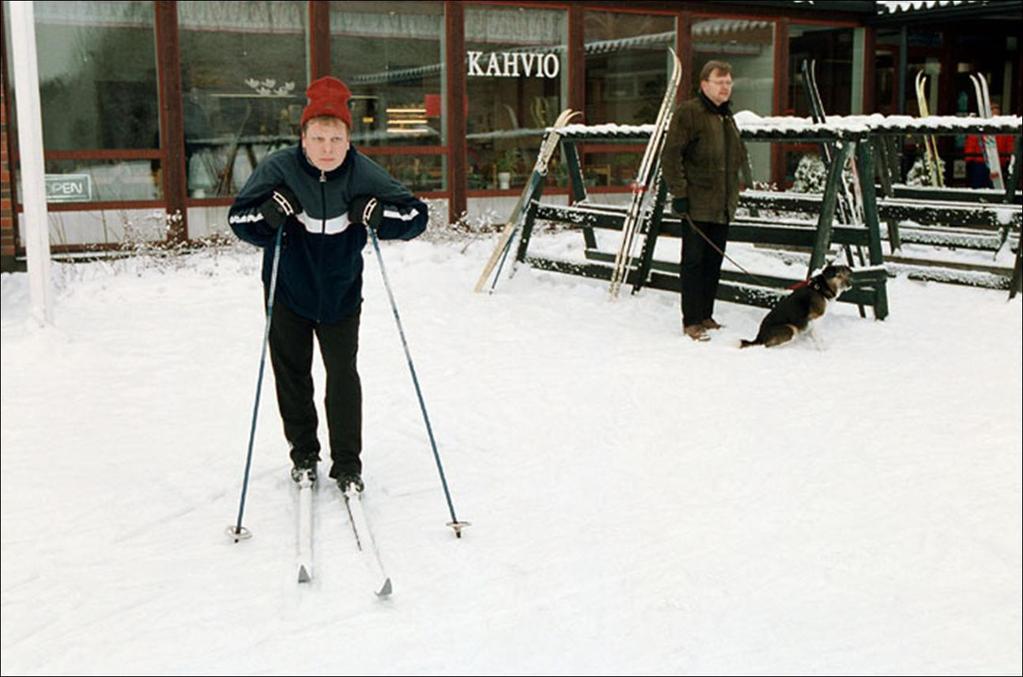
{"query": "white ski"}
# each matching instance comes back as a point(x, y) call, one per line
point(930, 143)
point(305, 529)
point(543, 158)
point(989, 143)
point(365, 542)
point(641, 187)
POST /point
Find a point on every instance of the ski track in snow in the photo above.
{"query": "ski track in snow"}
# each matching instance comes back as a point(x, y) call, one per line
point(641, 503)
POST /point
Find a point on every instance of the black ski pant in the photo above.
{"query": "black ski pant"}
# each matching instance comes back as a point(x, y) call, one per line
point(701, 269)
point(291, 353)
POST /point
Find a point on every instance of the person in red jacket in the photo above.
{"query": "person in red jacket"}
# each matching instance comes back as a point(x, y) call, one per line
point(977, 172)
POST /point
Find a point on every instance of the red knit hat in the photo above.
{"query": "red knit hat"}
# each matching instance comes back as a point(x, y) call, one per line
point(327, 96)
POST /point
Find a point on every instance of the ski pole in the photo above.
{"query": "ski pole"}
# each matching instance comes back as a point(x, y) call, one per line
point(238, 532)
point(500, 266)
point(454, 523)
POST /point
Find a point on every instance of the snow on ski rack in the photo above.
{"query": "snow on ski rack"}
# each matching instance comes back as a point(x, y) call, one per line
point(753, 126)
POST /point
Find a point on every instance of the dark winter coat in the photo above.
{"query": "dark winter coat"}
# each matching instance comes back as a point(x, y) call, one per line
point(702, 158)
point(320, 269)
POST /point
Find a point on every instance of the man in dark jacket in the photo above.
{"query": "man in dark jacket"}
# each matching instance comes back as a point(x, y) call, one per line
point(702, 157)
point(324, 194)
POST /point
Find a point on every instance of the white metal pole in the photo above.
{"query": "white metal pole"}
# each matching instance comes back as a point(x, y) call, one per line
point(35, 223)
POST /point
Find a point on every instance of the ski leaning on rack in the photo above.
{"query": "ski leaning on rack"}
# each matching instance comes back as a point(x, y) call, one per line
point(930, 143)
point(648, 168)
point(365, 542)
point(989, 143)
point(849, 204)
point(514, 225)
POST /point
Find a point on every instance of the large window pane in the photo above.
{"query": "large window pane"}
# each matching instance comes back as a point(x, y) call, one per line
point(926, 50)
point(627, 66)
point(925, 54)
point(748, 45)
point(832, 51)
point(243, 76)
point(390, 54)
point(97, 75)
point(627, 71)
point(516, 76)
point(886, 74)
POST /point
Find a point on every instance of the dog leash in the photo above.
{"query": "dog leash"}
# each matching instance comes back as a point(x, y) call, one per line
point(733, 261)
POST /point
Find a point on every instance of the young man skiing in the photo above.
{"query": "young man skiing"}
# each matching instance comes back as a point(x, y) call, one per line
point(324, 194)
point(702, 157)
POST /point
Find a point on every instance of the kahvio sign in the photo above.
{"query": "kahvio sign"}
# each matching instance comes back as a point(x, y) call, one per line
point(514, 65)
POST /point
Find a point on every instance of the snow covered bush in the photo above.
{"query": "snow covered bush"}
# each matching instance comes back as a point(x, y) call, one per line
point(919, 174)
point(811, 174)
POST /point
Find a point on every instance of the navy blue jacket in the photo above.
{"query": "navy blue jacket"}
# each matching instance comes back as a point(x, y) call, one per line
point(320, 271)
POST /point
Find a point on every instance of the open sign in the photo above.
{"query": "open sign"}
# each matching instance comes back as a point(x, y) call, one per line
point(68, 188)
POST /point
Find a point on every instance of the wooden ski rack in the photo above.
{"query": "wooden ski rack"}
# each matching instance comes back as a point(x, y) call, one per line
point(762, 290)
point(864, 138)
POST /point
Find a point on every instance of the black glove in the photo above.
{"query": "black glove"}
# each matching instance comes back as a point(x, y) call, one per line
point(680, 205)
point(281, 205)
point(366, 210)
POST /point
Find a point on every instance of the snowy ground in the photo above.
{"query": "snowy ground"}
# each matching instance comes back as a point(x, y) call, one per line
point(641, 503)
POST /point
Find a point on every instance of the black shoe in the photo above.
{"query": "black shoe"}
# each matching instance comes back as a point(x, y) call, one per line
point(350, 482)
point(307, 467)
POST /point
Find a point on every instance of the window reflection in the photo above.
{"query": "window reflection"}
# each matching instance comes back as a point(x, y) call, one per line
point(627, 71)
point(390, 55)
point(419, 173)
point(243, 79)
point(748, 45)
point(516, 75)
point(831, 49)
point(97, 75)
point(627, 66)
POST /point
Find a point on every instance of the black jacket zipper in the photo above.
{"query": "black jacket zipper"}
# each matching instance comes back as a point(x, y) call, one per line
point(323, 237)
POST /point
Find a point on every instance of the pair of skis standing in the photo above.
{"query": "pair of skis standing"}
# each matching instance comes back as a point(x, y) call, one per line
point(365, 542)
point(988, 143)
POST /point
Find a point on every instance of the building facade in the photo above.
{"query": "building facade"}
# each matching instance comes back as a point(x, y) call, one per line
point(162, 108)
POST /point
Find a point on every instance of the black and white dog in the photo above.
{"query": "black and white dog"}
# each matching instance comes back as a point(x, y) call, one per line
point(794, 313)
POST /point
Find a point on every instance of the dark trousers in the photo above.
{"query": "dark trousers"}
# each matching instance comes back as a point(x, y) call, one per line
point(978, 175)
point(701, 270)
point(291, 353)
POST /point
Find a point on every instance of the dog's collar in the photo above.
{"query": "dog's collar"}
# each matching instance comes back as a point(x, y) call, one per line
point(817, 284)
point(821, 286)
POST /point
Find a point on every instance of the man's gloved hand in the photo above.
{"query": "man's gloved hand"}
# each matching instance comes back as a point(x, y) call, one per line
point(366, 210)
point(680, 205)
point(281, 205)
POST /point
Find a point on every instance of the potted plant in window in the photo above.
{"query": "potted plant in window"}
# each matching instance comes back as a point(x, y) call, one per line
point(505, 163)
